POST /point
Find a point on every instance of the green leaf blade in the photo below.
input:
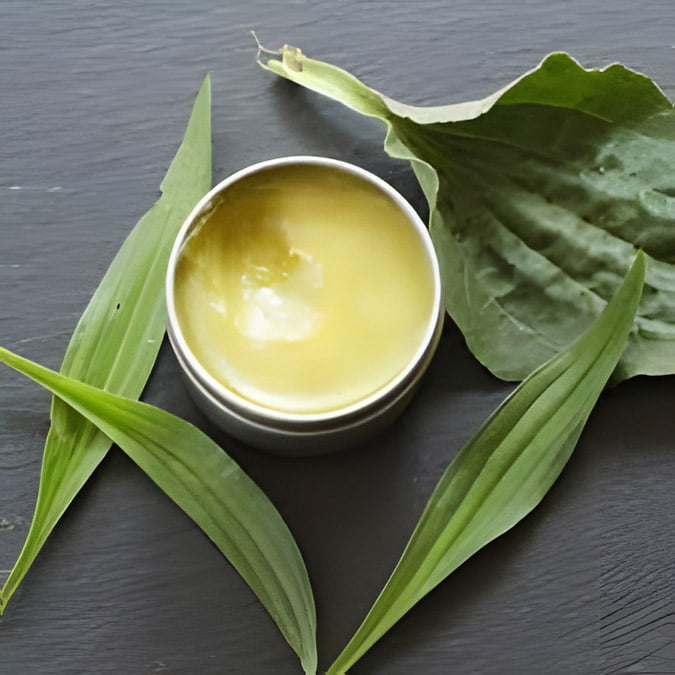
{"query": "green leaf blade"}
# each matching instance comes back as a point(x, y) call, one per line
point(540, 195)
point(323, 78)
point(209, 486)
point(116, 341)
point(505, 470)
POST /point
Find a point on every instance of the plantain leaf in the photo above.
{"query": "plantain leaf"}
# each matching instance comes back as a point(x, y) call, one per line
point(505, 470)
point(115, 343)
point(209, 486)
point(539, 196)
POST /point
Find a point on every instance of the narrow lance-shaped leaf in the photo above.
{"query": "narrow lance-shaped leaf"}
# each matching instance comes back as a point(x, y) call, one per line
point(115, 343)
point(539, 196)
point(505, 470)
point(209, 486)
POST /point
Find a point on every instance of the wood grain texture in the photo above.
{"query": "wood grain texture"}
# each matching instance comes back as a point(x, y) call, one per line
point(637, 627)
point(94, 101)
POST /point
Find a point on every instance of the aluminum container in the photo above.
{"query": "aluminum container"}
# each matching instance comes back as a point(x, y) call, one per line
point(302, 434)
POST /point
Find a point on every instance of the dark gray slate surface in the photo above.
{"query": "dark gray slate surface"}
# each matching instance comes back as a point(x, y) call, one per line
point(93, 100)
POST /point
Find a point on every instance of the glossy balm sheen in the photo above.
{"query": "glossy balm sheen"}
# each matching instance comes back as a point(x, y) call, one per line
point(302, 289)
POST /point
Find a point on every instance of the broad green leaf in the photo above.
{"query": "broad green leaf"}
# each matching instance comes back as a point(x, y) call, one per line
point(115, 343)
point(505, 470)
point(209, 486)
point(539, 197)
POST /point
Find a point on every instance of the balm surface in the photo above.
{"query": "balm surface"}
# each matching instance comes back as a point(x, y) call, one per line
point(304, 289)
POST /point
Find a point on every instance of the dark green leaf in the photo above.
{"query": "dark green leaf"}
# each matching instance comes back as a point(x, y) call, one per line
point(539, 197)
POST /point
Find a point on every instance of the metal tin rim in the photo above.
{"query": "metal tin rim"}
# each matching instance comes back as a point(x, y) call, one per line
point(268, 416)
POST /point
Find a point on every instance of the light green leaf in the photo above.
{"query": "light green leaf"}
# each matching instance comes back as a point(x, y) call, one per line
point(505, 470)
point(116, 341)
point(539, 197)
point(209, 486)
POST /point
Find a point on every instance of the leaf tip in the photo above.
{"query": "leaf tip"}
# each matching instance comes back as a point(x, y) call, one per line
point(639, 265)
point(263, 56)
point(292, 58)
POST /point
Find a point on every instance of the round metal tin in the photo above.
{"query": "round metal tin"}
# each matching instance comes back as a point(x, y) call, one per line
point(302, 434)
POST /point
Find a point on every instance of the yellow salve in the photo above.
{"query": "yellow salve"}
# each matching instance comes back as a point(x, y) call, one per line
point(305, 289)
